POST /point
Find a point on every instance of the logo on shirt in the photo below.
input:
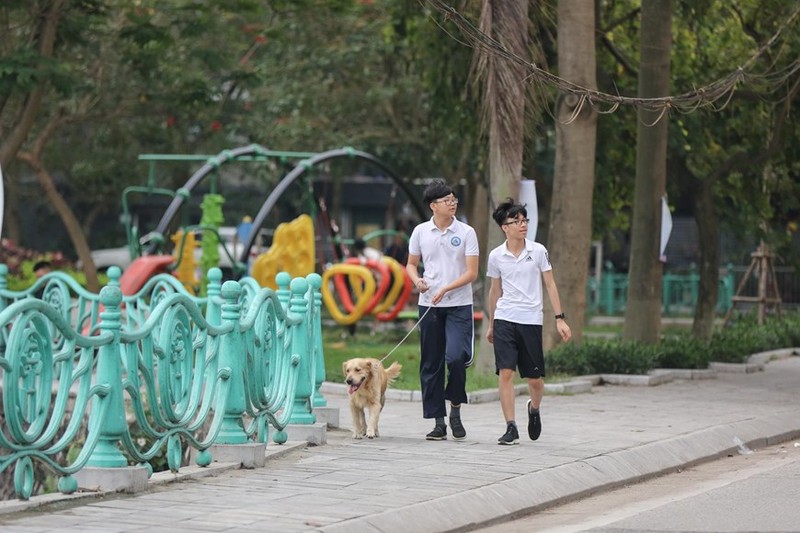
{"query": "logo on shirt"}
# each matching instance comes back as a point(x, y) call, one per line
point(529, 258)
point(455, 241)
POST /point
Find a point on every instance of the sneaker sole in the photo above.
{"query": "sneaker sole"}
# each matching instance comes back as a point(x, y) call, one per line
point(459, 438)
point(504, 443)
point(435, 438)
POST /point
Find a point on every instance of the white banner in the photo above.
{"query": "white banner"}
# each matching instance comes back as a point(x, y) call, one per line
point(666, 228)
point(527, 197)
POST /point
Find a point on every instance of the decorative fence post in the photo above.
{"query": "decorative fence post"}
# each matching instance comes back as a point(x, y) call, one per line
point(298, 305)
point(315, 282)
point(107, 467)
point(725, 296)
point(109, 371)
point(213, 291)
point(607, 286)
point(694, 284)
point(282, 280)
point(114, 273)
point(232, 355)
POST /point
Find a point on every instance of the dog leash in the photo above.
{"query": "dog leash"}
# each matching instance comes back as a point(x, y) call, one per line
point(407, 334)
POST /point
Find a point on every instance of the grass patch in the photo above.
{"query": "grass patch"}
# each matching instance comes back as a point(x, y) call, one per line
point(339, 346)
point(677, 349)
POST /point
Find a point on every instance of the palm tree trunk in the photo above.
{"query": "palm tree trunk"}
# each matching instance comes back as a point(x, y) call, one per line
point(504, 112)
point(71, 223)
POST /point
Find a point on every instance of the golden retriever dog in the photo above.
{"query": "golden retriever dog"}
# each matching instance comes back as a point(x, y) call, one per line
point(367, 380)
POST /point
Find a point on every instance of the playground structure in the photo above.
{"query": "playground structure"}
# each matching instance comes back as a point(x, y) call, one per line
point(380, 288)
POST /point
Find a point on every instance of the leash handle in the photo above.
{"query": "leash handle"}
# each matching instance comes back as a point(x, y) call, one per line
point(407, 334)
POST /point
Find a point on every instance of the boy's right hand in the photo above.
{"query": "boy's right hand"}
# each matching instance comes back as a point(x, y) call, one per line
point(422, 286)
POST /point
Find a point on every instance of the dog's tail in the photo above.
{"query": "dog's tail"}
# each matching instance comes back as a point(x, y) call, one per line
point(393, 371)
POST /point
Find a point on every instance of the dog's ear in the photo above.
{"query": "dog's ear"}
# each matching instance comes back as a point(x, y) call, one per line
point(344, 368)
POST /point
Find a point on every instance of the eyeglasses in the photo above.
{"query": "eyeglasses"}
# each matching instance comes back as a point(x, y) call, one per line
point(447, 201)
point(518, 221)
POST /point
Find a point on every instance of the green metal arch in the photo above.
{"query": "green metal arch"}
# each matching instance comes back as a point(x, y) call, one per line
point(256, 150)
point(304, 166)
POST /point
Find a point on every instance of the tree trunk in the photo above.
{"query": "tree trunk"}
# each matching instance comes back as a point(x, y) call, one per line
point(643, 308)
point(14, 139)
point(504, 109)
point(707, 221)
point(708, 232)
point(71, 223)
point(570, 228)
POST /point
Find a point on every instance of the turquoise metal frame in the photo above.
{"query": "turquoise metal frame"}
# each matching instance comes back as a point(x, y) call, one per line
point(84, 370)
point(679, 292)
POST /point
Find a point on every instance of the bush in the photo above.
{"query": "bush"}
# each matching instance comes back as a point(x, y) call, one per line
point(744, 337)
point(602, 357)
point(731, 344)
point(682, 351)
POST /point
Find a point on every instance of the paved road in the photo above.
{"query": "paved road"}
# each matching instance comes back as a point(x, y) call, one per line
point(756, 490)
point(400, 482)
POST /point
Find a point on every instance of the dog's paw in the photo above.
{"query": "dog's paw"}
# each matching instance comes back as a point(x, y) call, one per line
point(372, 434)
point(357, 435)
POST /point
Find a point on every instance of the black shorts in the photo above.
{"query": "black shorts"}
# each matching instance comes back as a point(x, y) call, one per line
point(519, 346)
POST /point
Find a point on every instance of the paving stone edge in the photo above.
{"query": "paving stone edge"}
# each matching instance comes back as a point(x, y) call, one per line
point(506, 500)
point(583, 384)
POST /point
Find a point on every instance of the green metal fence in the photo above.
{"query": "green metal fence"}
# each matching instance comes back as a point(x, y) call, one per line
point(678, 291)
point(86, 372)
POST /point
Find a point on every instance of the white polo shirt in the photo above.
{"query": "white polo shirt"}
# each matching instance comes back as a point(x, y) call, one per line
point(444, 259)
point(521, 280)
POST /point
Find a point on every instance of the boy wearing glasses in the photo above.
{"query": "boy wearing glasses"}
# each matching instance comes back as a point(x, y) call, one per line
point(448, 250)
point(517, 268)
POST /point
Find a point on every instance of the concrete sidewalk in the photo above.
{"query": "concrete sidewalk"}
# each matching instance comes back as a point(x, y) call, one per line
point(611, 436)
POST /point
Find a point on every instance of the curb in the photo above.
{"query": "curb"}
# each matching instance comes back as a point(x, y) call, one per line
point(509, 499)
point(584, 384)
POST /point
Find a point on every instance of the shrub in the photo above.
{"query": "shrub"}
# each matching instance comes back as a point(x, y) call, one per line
point(682, 351)
point(602, 357)
point(732, 344)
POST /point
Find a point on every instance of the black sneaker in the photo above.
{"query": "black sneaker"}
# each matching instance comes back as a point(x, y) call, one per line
point(457, 428)
point(511, 436)
point(438, 433)
point(534, 423)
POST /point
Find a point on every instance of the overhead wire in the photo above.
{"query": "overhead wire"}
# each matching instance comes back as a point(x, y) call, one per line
point(715, 95)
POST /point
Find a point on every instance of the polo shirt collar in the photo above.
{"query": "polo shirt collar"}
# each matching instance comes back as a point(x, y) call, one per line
point(451, 227)
point(528, 247)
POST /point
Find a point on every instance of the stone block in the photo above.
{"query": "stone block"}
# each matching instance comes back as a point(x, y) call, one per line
point(249, 454)
point(127, 479)
point(311, 433)
point(327, 415)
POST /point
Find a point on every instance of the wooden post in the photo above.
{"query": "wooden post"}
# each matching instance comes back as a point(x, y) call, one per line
point(762, 265)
